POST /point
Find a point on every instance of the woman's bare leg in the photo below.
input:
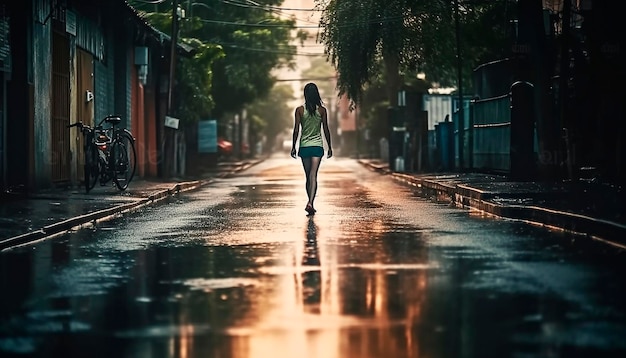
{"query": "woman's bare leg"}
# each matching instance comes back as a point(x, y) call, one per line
point(311, 167)
point(306, 164)
point(315, 165)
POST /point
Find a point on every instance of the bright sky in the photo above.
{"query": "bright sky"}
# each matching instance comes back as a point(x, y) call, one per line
point(302, 11)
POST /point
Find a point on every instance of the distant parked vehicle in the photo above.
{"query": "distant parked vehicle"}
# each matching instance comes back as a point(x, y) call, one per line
point(224, 147)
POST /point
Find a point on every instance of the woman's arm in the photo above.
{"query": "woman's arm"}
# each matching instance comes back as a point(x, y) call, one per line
point(296, 131)
point(324, 115)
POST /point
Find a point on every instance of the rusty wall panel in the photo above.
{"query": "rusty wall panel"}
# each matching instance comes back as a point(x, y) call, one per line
point(60, 144)
point(84, 84)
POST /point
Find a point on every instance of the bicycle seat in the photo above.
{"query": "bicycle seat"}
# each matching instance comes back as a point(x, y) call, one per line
point(113, 119)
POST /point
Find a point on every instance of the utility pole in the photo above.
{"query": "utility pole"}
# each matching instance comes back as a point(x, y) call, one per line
point(169, 149)
point(358, 133)
point(563, 86)
point(459, 64)
point(240, 136)
point(173, 54)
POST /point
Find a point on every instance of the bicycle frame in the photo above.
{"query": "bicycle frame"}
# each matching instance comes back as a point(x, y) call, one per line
point(109, 153)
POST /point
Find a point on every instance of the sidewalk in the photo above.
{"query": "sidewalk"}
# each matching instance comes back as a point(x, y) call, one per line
point(27, 218)
point(594, 210)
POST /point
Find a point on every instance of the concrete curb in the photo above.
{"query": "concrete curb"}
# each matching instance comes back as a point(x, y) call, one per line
point(462, 195)
point(567, 221)
point(115, 211)
point(78, 222)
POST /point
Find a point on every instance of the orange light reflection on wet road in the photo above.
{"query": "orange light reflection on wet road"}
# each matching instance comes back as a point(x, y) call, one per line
point(312, 315)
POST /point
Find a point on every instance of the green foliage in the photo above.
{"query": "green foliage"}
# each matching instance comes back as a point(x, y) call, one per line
point(374, 108)
point(238, 45)
point(409, 36)
point(192, 99)
point(255, 41)
point(271, 114)
point(194, 82)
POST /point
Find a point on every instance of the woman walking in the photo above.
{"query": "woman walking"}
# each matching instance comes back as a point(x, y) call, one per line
point(312, 117)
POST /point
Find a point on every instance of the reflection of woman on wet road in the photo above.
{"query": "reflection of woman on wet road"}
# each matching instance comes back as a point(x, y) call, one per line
point(311, 117)
point(311, 255)
point(311, 278)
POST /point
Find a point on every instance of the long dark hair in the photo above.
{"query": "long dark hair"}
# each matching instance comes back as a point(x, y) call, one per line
point(312, 97)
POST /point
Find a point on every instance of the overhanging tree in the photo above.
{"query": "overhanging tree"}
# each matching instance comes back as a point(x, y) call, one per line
point(192, 99)
point(252, 38)
point(255, 40)
point(409, 36)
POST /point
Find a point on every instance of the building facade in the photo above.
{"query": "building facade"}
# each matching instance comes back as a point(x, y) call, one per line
point(68, 61)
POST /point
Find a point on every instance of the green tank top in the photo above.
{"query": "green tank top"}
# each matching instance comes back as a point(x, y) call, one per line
point(311, 129)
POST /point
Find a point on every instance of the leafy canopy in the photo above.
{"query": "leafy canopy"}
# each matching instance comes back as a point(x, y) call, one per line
point(408, 36)
point(240, 43)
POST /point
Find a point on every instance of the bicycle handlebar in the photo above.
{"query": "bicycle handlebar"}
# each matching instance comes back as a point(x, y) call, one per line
point(112, 119)
point(82, 127)
point(77, 124)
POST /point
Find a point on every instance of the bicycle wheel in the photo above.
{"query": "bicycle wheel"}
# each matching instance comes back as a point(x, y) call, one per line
point(91, 167)
point(129, 142)
point(123, 161)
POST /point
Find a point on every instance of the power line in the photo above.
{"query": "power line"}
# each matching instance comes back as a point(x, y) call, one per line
point(317, 45)
point(306, 79)
point(312, 54)
point(151, 2)
point(257, 5)
point(353, 24)
point(265, 8)
point(259, 25)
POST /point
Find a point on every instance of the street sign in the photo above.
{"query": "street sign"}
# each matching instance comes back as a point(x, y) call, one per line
point(171, 122)
point(207, 136)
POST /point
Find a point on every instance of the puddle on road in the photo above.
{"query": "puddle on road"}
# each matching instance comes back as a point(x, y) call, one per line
point(388, 268)
point(211, 284)
point(165, 331)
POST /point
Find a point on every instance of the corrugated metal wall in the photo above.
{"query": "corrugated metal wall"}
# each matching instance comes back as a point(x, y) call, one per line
point(60, 116)
point(42, 9)
point(113, 80)
point(492, 134)
point(41, 79)
point(463, 132)
point(123, 85)
point(5, 44)
point(5, 66)
point(89, 37)
point(438, 107)
point(104, 80)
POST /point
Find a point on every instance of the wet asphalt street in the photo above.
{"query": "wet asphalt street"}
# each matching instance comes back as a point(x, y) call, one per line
point(236, 269)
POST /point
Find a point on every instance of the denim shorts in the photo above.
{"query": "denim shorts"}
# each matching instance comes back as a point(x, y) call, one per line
point(308, 152)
